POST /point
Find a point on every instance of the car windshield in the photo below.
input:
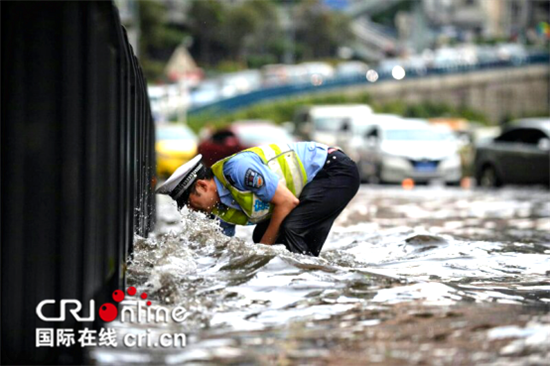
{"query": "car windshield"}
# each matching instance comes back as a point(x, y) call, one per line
point(417, 135)
point(361, 129)
point(255, 136)
point(174, 133)
point(328, 123)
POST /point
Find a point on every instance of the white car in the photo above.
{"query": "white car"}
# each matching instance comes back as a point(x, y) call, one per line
point(351, 69)
point(240, 82)
point(397, 150)
point(351, 138)
point(318, 72)
point(513, 52)
point(206, 92)
point(281, 74)
point(325, 123)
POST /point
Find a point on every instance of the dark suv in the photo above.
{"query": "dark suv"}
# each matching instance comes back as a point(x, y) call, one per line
point(520, 155)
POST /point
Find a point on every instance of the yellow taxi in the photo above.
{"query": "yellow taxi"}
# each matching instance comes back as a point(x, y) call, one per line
point(175, 145)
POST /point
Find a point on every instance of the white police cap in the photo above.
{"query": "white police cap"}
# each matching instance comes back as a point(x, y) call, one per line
point(182, 179)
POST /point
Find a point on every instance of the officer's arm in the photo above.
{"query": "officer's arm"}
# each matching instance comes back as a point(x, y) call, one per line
point(283, 203)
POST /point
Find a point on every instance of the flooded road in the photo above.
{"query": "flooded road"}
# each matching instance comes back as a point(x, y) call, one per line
point(429, 276)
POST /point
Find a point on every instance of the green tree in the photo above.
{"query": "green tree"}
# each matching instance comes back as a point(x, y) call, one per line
point(205, 23)
point(157, 38)
point(239, 26)
point(261, 47)
point(320, 31)
point(250, 32)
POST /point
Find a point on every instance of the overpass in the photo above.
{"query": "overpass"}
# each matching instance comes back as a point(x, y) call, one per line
point(497, 89)
point(372, 41)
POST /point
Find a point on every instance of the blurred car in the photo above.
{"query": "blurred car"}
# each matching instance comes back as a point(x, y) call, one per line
point(520, 155)
point(416, 64)
point(351, 137)
point(513, 52)
point(167, 100)
point(464, 133)
point(281, 74)
point(175, 145)
point(447, 57)
point(240, 82)
point(397, 150)
point(274, 75)
point(206, 92)
point(483, 134)
point(317, 72)
point(487, 54)
point(351, 69)
point(455, 124)
point(325, 123)
point(460, 126)
point(239, 136)
point(386, 65)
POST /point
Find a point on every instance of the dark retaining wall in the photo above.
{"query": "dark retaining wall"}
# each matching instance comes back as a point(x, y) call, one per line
point(77, 163)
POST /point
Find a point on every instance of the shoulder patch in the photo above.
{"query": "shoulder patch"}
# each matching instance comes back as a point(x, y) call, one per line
point(253, 179)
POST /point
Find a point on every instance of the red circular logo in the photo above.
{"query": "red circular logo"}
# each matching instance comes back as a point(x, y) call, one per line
point(108, 312)
point(118, 295)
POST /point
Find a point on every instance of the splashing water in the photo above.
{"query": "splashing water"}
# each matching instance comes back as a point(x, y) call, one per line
point(388, 247)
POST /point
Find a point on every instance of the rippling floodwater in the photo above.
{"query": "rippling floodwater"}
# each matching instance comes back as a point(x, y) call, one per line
point(397, 267)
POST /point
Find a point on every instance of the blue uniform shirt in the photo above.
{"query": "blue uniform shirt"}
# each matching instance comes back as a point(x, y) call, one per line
point(247, 172)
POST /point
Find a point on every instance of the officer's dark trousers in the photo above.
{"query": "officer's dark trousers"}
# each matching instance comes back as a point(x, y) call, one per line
point(306, 228)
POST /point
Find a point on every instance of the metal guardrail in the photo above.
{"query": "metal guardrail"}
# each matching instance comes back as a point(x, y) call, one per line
point(78, 166)
point(263, 95)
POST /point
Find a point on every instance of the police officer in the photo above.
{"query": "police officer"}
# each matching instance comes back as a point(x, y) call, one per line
point(293, 193)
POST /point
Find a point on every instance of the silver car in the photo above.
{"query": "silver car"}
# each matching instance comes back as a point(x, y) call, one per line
point(397, 150)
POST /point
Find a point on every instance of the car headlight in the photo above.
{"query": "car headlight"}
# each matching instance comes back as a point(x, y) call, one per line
point(396, 162)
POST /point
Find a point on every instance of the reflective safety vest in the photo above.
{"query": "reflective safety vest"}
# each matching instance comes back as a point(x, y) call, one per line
point(284, 162)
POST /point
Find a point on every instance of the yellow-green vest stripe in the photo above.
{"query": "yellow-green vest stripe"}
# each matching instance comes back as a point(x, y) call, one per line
point(284, 162)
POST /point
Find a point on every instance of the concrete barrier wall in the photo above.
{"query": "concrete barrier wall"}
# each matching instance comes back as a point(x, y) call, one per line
point(78, 166)
point(498, 93)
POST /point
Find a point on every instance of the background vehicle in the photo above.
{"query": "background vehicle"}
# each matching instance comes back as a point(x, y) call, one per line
point(239, 136)
point(520, 155)
point(514, 52)
point(240, 82)
point(317, 72)
point(351, 137)
point(206, 92)
point(175, 145)
point(167, 100)
point(396, 150)
point(351, 69)
point(281, 74)
point(324, 123)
